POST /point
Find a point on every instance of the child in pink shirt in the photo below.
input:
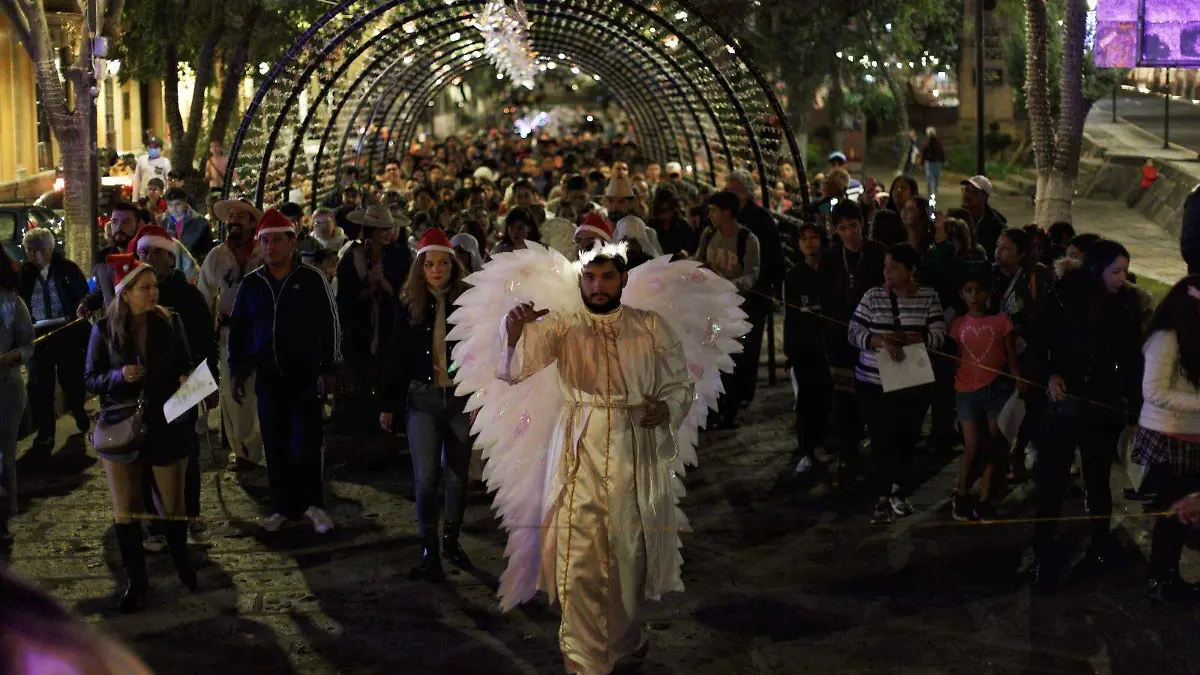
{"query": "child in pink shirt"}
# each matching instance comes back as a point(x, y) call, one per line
point(986, 344)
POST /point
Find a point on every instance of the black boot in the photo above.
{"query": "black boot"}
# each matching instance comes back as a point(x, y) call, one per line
point(1044, 575)
point(133, 559)
point(430, 568)
point(1169, 588)
point(451, 548)
point(177, 544)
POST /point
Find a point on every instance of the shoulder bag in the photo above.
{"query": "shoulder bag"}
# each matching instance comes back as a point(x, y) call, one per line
point(119, 429)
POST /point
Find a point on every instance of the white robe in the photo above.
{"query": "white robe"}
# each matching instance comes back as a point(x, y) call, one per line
point(610, 538)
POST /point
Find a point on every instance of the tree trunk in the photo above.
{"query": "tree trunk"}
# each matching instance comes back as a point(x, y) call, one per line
point(235, 70)
point(1037, 99)
point(1071, 106)
point(183, 151)
point(836, 106)
point(171, 99)
point(1054, 197)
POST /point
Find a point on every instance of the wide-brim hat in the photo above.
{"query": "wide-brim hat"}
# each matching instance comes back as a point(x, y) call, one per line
point(373, 216)
point(223, 208)
point(619, 188)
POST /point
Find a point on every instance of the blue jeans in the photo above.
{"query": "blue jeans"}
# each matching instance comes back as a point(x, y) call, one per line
point(438, 430)
point(933, 176)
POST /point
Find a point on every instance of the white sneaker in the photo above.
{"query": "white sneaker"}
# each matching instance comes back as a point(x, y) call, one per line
point(321, 521)
point(804, 465)
point(275, 522)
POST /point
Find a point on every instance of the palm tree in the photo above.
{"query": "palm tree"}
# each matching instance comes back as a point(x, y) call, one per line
point(68, 111)
point(1056, 154)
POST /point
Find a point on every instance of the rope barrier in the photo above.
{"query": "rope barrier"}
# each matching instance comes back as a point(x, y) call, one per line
point(1001, 373)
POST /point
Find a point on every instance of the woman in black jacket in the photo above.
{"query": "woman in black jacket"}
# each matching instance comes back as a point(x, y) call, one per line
point(418, 362)
point(1092, 329)
point(139, 350)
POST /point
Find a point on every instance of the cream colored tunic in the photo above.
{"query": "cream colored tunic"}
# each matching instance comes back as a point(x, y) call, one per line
point(610, 539)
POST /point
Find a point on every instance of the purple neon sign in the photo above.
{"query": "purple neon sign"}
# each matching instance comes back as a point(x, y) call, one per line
point(1131, 33)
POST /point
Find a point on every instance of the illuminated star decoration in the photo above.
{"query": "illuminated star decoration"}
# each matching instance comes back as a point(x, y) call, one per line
point(506, 40)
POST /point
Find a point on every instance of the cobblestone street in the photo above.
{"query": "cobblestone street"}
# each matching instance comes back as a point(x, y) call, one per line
point(783, 576)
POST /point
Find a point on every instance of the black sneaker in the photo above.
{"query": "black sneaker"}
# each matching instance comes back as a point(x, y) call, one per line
point(883, 514)
point(963, 509)
point(985, 511)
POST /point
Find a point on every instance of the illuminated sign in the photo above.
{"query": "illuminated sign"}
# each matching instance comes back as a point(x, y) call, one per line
point(1147, 33)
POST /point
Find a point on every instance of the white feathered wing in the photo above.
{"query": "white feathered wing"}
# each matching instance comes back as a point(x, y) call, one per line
point(515, 423)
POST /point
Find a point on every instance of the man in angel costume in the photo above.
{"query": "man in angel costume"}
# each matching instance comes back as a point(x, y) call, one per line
point(589, 384)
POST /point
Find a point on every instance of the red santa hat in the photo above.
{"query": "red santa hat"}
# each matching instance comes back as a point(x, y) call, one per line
point(274, 221)
point(434, 240)
point(126, 267)
point(151, 236)
point(596, 224)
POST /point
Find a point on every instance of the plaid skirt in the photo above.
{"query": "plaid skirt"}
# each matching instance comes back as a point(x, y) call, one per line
point(1151, 448)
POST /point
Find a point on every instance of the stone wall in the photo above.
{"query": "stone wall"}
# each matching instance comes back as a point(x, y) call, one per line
point(1120, 178)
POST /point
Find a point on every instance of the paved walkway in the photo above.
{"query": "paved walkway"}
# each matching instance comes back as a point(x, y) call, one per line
point(783, 576)
point(1146, 112)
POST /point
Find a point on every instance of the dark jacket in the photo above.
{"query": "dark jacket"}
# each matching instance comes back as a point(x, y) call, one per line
point(285, 328)
point(185, 300)
point(933, 151)
point(760, 221)
point(1096, 349)
point(1189, 236)
point(355, 311)
point(839, 297)
point(988, 230)
point(679, 237)
point(409, 356)
point(195, 235)
point(103, 273)
point(167, 359)
point(67, 278)
point(802, 330)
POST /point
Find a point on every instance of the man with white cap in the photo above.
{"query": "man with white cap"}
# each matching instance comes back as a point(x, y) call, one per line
point(284, 330)
point(685, 191)
point(220, 277)
point(989, 223)
point(621, 200)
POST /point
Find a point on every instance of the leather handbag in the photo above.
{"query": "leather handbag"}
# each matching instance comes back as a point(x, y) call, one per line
point(119, 429)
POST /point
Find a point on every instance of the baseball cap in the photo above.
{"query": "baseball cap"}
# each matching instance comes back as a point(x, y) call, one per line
point(836, 155)
point(674, 167)
point(980, 183)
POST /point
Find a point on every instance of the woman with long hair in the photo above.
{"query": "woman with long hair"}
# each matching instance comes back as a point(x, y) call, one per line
point(1168, 436)
point(139, 352)
point(902, 189)
point(438, 426)
point(16, 348)
point(1092, 331)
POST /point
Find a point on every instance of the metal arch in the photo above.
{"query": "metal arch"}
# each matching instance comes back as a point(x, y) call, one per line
point(352, 28)
point(722, 79)
point(797, 156)
point(664, 56)
point(694, 50)
point(636, 106)
point(406, 80)
point(614, 73)
point(298, 144)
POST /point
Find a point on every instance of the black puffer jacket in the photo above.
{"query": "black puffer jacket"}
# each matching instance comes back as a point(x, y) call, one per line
point(409, 356)
point(1094, 341)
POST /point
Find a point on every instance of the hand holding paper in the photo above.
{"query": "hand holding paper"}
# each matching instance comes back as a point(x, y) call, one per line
point(914, 370)
point(199, 385)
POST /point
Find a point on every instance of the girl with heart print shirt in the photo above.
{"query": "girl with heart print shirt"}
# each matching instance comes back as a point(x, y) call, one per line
point(986, 344)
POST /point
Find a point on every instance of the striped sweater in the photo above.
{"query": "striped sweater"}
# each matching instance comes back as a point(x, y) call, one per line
point(882, 312)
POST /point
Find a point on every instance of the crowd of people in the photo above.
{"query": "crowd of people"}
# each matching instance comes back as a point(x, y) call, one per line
point(350, 301)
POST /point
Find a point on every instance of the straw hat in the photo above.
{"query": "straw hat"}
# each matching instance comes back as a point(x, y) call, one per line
point(223, 208)
point(373, 216)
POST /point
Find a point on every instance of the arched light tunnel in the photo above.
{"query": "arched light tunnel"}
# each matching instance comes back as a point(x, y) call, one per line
point(690, 93)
